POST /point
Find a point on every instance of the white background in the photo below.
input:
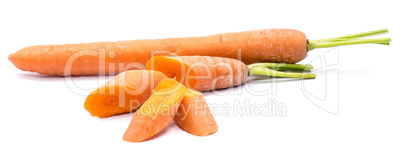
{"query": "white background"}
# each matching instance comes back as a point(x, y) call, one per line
point(42, 120)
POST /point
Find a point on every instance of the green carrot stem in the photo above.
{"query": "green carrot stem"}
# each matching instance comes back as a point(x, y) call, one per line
point(259, 70)
point(349, 39)
point(293, 70)
point(312, 46)
point(352, 36)
point(283, 66)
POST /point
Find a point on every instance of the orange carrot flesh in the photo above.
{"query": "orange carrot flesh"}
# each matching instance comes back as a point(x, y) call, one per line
point(157, 112)
point(201, 73)
point(122, 94)
point(173, 68)
point(194, 115)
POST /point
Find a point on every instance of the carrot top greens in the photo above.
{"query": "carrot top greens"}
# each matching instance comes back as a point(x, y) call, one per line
point(349, 40)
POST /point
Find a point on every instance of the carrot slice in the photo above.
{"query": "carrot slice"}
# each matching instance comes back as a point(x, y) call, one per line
point(122, 94)
point(157, 112)
point(194, 115)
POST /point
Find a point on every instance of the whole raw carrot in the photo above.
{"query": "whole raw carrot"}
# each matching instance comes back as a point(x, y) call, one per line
point(123, 94)
point(267, 45)
point(203, 73)
point(194, 116)
point(157, 112)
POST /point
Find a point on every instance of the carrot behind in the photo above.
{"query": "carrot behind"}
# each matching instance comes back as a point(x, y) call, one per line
point(267, 45)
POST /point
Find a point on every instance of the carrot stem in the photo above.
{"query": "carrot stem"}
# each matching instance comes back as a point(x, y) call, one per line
point(357, 35)
point(260, 70)
point(349, 40)
point(284, 66)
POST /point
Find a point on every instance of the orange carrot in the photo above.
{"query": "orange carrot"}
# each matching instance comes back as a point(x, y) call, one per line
point(203, 73)
point(123, 94)
point(157, 112)
point(267, 45)
point(194, 116)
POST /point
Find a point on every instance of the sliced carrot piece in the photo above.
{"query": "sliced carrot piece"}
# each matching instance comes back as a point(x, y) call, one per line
point(122, 94)
point(194, 115)
point(157, 112)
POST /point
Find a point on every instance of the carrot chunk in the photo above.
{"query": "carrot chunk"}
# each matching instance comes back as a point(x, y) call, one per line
point(122, 94)
point(157, 112)
point(194, 115)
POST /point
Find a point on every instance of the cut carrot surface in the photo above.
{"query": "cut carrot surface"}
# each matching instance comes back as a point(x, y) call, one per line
point(157, 112)
point(122, 94)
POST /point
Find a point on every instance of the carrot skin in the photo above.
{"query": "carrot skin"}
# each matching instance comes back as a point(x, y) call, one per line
point(157, 112)
point(201, 73)
point(194, 115)
point(267, 45)
point(122, 94)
